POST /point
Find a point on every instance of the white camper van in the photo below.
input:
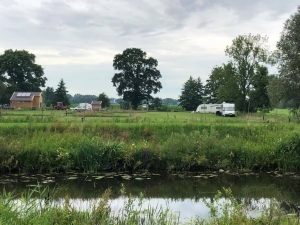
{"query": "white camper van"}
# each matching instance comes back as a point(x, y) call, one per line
point(224, 109)
point(227, 109)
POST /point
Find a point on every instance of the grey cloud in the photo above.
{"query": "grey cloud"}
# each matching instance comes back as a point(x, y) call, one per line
point(204, 24)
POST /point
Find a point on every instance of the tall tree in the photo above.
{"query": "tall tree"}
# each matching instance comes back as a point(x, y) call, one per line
point(247, 52)
point(191, 94)
point(2, 93)
point(259, 94)
point(49, 96)
point(60, 94)
point(137, 77)
point(20, 72)
point(289, 59)
point(275, 91)
point(105, 100)
point(222, 86)
point(212, 85)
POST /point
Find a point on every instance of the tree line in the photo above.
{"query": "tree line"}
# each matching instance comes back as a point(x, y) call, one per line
point(243, 80)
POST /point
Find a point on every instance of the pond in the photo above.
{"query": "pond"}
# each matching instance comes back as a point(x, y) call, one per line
point(183, 193)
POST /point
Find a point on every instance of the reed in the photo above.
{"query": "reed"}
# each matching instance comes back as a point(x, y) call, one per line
point(37, 206)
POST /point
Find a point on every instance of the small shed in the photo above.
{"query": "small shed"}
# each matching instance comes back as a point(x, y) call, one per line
point(30, 100)
point(96, 105)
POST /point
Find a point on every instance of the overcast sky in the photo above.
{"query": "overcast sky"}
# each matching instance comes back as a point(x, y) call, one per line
point(77, 40)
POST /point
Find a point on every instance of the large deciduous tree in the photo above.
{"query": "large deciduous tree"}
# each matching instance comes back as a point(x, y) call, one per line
point(60, 94)
point(222, 85)
point(191, 94)
point(137, 76)
point(259, 93)
point(247, 53)
point(19, 71)
point(289, 59)
point(105, 102)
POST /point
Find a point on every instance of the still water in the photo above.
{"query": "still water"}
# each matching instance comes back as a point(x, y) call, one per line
point(183, 193)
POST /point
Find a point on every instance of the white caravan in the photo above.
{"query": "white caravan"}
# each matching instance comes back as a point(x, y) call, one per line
point(208, 108)
point(224, 109)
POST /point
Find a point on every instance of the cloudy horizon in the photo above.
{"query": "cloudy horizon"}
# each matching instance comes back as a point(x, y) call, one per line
point(77, 40)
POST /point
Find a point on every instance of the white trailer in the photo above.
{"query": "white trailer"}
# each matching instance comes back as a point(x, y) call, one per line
point(224, 109)
point(208, 108)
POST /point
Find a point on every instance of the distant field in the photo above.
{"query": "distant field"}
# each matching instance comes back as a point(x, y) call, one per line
point(43, 141)
point(19, 116)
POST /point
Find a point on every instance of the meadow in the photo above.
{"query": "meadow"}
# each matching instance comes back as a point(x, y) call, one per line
point(122, 140)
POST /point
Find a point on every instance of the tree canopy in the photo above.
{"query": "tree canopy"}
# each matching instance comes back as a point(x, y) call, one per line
point(191, 94)
point(79, 98)
point(247, 53)
point(259, 92)
point(105, 100)
point(222, 85)
point(49, 96)
point(289, 59)
point(156, 103)
point(137, 76)
point(60, 94)
point(19, 72)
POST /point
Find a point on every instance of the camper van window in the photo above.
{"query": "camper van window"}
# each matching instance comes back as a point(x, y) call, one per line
point(203, 107)
point(229, 108)
point(218, 107)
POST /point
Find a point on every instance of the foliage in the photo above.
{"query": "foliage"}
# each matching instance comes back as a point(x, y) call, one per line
point(222, 86)
point(49, 96)
point(289, 62)
point(247, 53)
point(60, 94)
point(274, 89)
point(137, 77)
point(19, 72)
point(2, 93)
point(191, 94)
point(164, 141)
point(170, 101)
point(259, 94)
point(105, 100)
point(78, 98)
point(156, 103)
point(40, 206)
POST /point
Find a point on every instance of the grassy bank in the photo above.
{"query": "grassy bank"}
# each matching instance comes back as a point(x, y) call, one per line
point(154, 141)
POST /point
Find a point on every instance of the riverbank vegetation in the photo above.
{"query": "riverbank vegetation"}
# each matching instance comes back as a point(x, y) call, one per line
point(38, 206)
point(131, 141)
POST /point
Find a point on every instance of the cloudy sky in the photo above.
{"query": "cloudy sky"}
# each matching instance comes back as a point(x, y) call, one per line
point(77, 39)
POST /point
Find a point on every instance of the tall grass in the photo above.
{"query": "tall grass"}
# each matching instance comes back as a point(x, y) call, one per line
point(37, 206)
point(154, 146)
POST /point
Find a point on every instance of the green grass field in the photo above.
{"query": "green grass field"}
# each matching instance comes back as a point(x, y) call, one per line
point(17, 116)
point(136, 140)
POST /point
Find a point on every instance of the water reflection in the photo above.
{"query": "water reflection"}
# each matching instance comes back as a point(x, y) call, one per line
point(182, 192)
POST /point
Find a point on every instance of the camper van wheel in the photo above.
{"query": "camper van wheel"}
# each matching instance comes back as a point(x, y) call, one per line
point(218, 113)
